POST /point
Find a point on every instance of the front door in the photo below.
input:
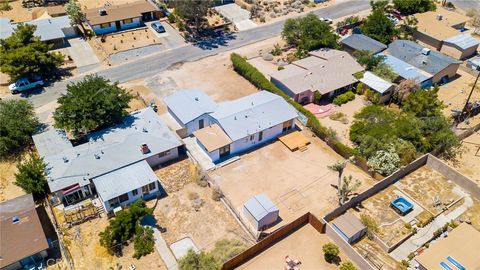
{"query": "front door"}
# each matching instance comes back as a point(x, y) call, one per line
point(118, 25)
point(201, 124)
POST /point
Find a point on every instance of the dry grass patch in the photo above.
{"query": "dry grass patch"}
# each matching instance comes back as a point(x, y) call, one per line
point(376, 256)
point(175, 176)
point(126, 41)
point(472, 214)
point(8, 190)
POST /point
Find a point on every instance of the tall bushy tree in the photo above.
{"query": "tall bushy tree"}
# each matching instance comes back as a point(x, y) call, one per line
point(379, 27)
point(143, 242)
point(368, 60)
point(24, 55)
point(385, 162)
point(309, 33)
point(91, 104)
point(409, 7)
point(384, 71)
point(404, 89)
point(31, 176)
point(193, 10)
point(17, 124)
point(75, 14)
point(198, 261)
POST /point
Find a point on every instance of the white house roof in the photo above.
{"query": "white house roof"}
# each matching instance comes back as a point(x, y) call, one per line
point(6, 28)
point(376, 83)
point(47, 29)
point(123, 180)
point(463, 41)
point(260, 206)
point(187, 105)
point(253, 113)
point(107, 150)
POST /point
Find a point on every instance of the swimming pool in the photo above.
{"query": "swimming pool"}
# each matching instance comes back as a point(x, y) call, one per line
point(402, 205)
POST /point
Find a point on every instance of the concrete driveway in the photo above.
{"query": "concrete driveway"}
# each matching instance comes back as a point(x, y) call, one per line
point(171, 38)
point(237, 15)
point(82, 54)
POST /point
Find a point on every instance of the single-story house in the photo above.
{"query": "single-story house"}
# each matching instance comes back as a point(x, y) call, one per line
point(442, 29)
point(327, 71)
point(349, 227)
point(441, 67)
point(378, 85)
point(359, 42)
point(114, 164)
point(459, 250)
point(474, 63)
point(23, 241)
point(53, 30)
point(111, 18)
point(190, 108)
point(260, 211)
point(406, 71)
point(235, 126)
point(460, 47)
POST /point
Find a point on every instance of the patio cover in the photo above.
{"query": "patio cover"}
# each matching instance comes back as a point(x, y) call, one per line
point(126, 179)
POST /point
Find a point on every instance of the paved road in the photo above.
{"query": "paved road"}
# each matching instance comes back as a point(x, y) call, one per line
point(467, 4)
point(153, 64)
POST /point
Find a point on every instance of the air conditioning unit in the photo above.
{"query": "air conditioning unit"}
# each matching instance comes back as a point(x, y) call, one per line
point(426, 51)
point(102, 12)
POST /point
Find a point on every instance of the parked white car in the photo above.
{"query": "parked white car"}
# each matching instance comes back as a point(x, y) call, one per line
point(25, 84)
point(327, 20)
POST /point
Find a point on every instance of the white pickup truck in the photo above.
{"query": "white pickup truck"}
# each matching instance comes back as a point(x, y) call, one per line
point(25, 84)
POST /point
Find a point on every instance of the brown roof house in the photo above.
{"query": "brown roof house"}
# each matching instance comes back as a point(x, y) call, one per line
point(111, 18)
point(327, 71)
point(23, 241)
point(442, 30)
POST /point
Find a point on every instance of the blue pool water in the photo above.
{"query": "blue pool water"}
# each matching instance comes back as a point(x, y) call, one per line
point(402, 205)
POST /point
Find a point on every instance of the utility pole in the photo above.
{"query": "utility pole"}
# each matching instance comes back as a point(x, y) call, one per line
point(462, 117)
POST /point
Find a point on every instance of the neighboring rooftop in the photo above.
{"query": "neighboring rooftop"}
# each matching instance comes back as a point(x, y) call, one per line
point(374, 82)
point(325, 70)
point(21, 232)
point(119, 12)
point(47, 29)
point(405, 70)
point(348, 224)
point(212, 137)
point(430, 23)
point(6, 27)
point(260, 206)
point(187, 105)
point(106, 150)
point(463, 41)
point(253, 113)
point(420, 57)
point(361, 42)
point(462, 244)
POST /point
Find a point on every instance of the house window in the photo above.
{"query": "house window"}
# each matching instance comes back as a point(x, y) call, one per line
point(104, 25)
point(164, 154)
point(287, 125)
point(151, 186)
point(135, 192)
point(123, 198)
point(201, 124)
point(147, 188)
point(252, 137)
point(127, 21)
point(260, 135)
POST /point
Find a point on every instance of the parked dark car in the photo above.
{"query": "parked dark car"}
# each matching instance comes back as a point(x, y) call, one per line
point(157, 26)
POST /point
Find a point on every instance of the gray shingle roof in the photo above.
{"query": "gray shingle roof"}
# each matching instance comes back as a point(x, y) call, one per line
point(411, 53)
point(361, 42)
point(187, 105)
point(463, 41)
point(248, 115)
point(107, 150)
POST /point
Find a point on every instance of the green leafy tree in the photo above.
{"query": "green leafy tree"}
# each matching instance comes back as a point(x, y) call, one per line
point(347, 266)
point(368, 60)
point(91, 104)
point(379, 27)
point(409, 7)
point(143, 242)
point(404, 89)
point(371, 224)
point(408, 27)
point(193, 11)
point(123, 227)
point(309, 33)
point(424, 103)
point(385, 71)
point(75, 14)
point(198, 261)
point(24, 55)
point(348, 187)
point(381, 5)
point(31, 176)
point(18, 123)
point(385, 162)
point(330, 252)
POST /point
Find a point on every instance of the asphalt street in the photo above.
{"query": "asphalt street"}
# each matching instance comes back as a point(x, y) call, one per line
point(154, 63)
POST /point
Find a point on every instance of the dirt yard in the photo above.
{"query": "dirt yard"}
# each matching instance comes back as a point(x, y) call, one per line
point(128, 40)
point(20, 14)
point(8, 190)
point(297, 182)
point(188, 207)
point(467, 162)
point(472, 215)
point(375, 255)
point(269, 11)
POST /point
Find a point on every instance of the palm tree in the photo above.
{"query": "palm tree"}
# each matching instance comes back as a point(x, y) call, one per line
point(348, 187)
point(338, 167)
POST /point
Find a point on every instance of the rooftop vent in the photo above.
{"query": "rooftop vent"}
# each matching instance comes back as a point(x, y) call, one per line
point(424, 62)
point(144, 130)
point(102, 12)
point(426, 51)
point(97, 156)
point(15, 219)
point(144, 149)
point(65, 159)
point(196, 98)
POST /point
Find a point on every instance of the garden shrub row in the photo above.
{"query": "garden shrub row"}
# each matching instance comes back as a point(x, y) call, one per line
point(249, 72)
point(344, 98)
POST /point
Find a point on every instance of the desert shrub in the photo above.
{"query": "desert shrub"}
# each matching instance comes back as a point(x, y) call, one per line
point(317, 96)
point(277, 50)
point(172, 18)
point(216, 194)
point(344, 98)
point(330, 252)
point(347, 266)
point(337, 116)
point(280, 68)
point(359, 88)
point(370, 223)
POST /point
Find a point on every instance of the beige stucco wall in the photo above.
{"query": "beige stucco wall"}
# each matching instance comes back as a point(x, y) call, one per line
point(457, 53)
point(449, 71)
point(428, 40)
